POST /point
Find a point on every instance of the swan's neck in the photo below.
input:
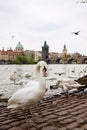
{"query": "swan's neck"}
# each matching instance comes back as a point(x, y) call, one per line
point(42, 83)
point(40, 76)
point(39, 72)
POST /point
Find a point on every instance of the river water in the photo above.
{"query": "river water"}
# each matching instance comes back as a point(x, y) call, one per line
point(55, 71)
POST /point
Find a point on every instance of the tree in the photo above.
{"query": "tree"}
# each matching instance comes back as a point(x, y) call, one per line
point(23, 59)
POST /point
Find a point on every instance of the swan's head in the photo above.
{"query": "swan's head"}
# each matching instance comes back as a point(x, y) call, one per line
point(41, 68)
point(14, 72)
point(59, 80)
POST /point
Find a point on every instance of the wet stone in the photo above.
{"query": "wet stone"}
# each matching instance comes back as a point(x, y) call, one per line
point(42, 125)
point(55, 113)
point(7, 121)
point(26, 125)
point(51, 117)
point(62, 113)
point(63, 128)
point(5, 127)
point(16, 128)
point(80, 121)
point(65, 121)
point(85, 127)
point(41, 120)
point(16, 123)
point(76, 129)
point(33, 128)
point(72, 126)
point(49, 128)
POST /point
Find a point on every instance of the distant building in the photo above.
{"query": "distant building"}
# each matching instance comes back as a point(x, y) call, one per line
point(19, 47)
point(9, 55)
point(64, 53)
point(29, 53)
point(45, 52)
point(38, 56)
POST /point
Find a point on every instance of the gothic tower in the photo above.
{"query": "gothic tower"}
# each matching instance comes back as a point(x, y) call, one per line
point(45, 52)
point(64, 51)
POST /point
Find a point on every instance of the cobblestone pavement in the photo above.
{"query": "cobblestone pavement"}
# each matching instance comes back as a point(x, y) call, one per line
point(53, 113)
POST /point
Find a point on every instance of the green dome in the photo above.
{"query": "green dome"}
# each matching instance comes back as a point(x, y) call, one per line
point(19, 46)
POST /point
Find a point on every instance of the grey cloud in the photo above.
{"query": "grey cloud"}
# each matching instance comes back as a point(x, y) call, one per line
point(45, 27)
point(33, 21)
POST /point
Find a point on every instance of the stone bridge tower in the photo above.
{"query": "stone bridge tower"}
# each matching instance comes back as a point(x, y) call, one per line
point(45, 52)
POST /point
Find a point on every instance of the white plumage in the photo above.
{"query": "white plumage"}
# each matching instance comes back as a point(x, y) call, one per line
point(26, 75)
point(68, 85)
point(34, 92)
point(13, 77)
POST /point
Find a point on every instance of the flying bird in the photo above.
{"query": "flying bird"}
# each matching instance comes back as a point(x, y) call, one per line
point(76, 33)
point(12, 36)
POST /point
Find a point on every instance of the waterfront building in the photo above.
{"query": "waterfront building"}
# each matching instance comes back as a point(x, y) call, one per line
point(29, 53)
point(9, 55)
point(38, 56)
point(19, 47)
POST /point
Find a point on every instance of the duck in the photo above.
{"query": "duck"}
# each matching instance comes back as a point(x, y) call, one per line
point(26, 97)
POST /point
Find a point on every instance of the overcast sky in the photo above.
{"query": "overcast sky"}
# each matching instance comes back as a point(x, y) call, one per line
point(34, 21)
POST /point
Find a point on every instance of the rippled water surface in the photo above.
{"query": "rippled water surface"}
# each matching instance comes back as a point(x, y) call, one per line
point(7, 87)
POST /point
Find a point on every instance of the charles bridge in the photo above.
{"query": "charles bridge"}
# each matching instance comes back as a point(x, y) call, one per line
point(59, 60)
point(68, 60)
point(62, 58)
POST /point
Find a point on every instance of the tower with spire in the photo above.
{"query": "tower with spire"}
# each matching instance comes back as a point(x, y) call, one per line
point(64, 51)
point(45, 51)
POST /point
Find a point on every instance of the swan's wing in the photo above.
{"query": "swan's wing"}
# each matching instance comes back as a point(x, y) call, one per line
point(32, 84)
point(23, 95)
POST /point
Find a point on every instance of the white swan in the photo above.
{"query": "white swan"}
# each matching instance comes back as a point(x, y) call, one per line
point(26, 97)
point(26, 75)
point(13, 77)
point(22, 82)
point(67, 85)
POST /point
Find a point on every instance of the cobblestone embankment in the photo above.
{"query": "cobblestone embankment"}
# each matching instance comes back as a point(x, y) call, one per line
point(55, 113)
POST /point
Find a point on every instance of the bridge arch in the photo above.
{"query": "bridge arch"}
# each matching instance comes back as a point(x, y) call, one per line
point(72, 61)
point(48, 61)
point(59, 61)
point(84, 61)
point(2, 61)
